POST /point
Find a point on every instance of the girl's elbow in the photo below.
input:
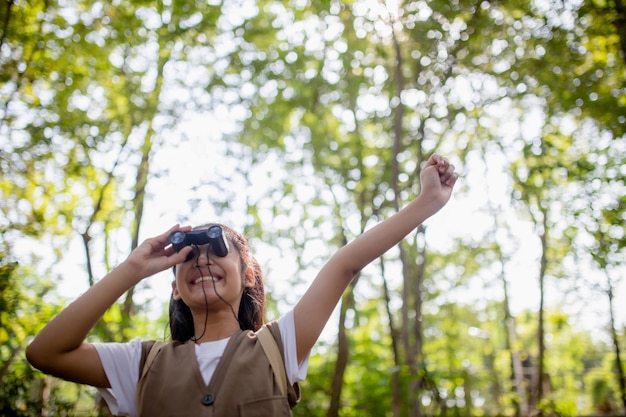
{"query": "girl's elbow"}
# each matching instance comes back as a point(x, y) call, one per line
point(36, 356)
point(32, 356)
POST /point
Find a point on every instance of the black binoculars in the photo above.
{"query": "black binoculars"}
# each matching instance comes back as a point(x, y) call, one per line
point(213, 236)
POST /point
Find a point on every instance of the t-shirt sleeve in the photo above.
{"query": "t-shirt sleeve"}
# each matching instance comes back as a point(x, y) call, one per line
point(295, 371)
point(121, 365)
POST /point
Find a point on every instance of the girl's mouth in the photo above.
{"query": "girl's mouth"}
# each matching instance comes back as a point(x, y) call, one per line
point(203, 279)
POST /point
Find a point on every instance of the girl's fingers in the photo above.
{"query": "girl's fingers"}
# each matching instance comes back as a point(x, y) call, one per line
point(446, 170)
point(181, 255)
point(435, 160)
point(164, 237)
point(447, 174)
point(452, 180)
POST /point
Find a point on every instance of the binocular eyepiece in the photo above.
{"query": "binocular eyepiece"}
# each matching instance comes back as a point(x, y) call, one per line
point(213, 236)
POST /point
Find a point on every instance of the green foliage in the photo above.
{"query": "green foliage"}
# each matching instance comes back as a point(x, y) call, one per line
point(20, 316)
point(600, 391)
point(368, 379)
point(348, 99)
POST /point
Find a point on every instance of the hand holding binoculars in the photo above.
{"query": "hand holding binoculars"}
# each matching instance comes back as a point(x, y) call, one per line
point(213, 236)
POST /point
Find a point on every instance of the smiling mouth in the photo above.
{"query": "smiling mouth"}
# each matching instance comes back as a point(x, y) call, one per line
point(203, 279)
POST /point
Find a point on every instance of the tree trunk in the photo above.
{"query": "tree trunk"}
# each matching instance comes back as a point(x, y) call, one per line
point(343, 353)
point(620, 25)
point(540, 374)
point(143, 170)
point(510, 328)
point(411, 291)
point(416, 383)
point(621, 379)
point(517, 369)
point(396, 398)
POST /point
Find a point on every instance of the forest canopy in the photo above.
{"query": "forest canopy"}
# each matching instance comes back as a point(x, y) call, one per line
point(302, 124)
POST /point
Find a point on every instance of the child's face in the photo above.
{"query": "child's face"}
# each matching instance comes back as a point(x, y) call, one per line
point(205, 273)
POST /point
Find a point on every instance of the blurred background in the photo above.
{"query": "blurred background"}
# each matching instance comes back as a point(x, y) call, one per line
point(302, 124)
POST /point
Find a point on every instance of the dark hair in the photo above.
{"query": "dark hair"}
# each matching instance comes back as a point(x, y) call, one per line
point(251, 313)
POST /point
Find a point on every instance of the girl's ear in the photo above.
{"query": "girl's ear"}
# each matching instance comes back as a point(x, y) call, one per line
point(175, 293)
point(248, 279)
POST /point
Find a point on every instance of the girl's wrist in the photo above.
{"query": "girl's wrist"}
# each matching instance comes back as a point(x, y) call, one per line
point(128, 273)
point(428, 205)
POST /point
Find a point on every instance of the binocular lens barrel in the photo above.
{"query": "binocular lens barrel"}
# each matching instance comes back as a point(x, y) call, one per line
point(177, 238)
point(213, 236)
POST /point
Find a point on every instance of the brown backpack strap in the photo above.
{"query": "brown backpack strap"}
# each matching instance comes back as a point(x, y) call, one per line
point(148, 353)
point(268, 343)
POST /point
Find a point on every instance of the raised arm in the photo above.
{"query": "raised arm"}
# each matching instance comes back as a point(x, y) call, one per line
point(60, 348)
point(315, 307)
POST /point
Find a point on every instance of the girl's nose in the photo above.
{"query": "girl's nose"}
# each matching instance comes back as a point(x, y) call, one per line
point(204, 258)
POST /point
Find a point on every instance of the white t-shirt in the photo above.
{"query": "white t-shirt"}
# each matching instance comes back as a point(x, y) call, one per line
point(121, 365)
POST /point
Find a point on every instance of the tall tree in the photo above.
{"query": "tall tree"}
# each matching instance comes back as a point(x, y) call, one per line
point(601, 233)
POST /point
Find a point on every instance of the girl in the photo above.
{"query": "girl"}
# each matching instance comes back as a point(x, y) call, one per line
point(214, 365)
